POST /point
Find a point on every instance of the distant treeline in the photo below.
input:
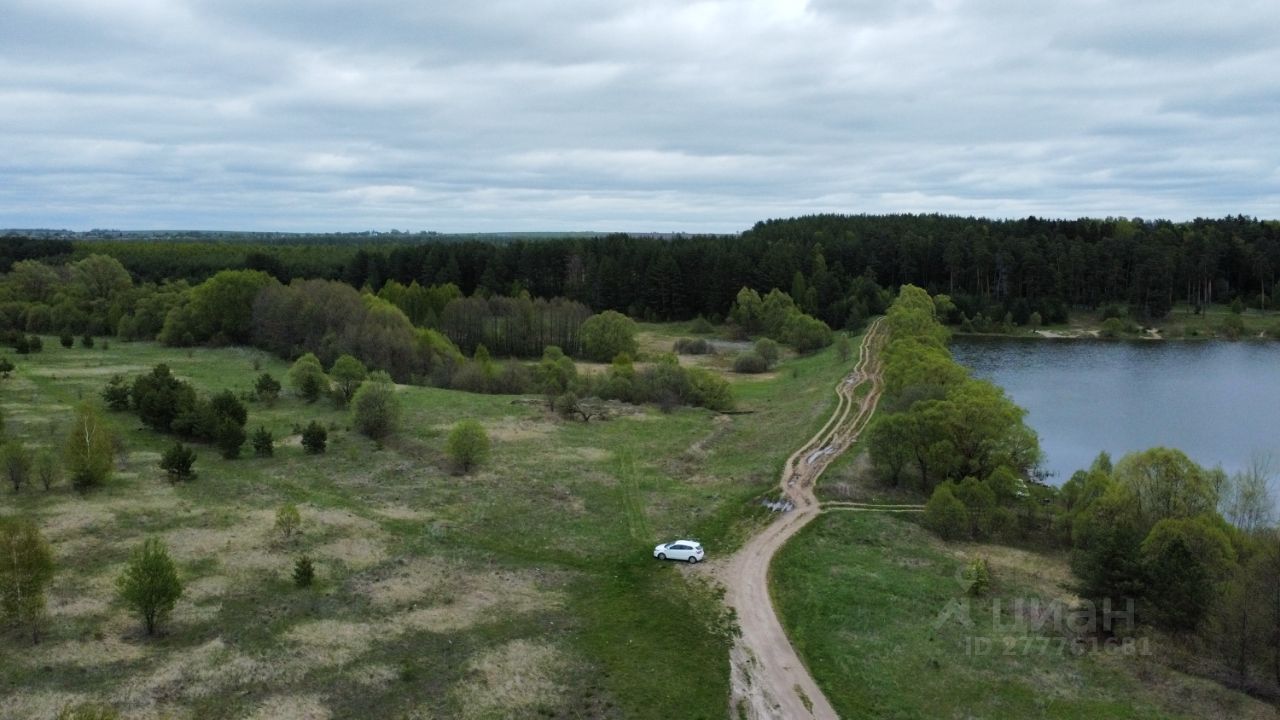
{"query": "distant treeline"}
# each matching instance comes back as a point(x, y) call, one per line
point(827, 263)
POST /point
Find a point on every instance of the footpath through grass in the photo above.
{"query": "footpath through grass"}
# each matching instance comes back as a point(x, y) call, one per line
point(870, 602)
point(525, 589)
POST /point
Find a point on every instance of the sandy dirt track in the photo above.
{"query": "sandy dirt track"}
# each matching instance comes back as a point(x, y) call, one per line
point(768, 678)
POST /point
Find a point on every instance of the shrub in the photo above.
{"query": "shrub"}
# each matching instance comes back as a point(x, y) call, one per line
point(1233, 327)
point(150, 584)
point(288, 521)
point(844, 348)
point(159, 398)
point(89, 449)
point(48, 469)
point(15, 463)
point(979, 576)
point(607, 334)
point(945, 514)
point(750, 363)
point(20, 345)
point(315, 438)
point(467, 445)
point(263, 443)
point(307, 377)
point(116, 393)
point(67, 340)
point(692, 346)
point(6, 367)
point(701, 326)
point(376, 407)
point(708, 390)
point(1112, 327)
point(304, 572)
point(566, 405)
point(768, 350)
point(86, 341)
point(177, 462)
point(348, 374)
point(266, 388)
point(1035, 320)
point(26, 567)
point(229, 437)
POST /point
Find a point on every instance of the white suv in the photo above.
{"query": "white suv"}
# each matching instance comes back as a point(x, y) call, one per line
point(679, 550)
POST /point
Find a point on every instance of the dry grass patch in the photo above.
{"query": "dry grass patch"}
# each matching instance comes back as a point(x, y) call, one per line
point(291, 707)
point(83, 653)
point(473, 597)
point(38, 704)
point(513, 681)
point(355, 553)
point(207, 670)
point(400, 512)
point(587, 454)
point(1048, 575)
point(513, 429)
point(410, 582)
point(333, 642)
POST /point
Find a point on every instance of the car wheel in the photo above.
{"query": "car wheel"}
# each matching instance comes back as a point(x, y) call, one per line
point(693, 559)
point(662, 556)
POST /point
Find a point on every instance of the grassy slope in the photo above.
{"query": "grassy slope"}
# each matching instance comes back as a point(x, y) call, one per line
point(861, 595)
point(433, 587)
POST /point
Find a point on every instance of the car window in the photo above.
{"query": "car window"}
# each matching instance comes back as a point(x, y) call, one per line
point(679, 547)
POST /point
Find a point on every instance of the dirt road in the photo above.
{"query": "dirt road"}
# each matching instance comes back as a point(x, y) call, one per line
point(768, 678)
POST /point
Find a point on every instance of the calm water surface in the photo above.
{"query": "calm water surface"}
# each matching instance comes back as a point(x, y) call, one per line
point(1217, 401)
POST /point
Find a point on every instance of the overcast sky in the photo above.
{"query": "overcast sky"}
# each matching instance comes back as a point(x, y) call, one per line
point(595, 115)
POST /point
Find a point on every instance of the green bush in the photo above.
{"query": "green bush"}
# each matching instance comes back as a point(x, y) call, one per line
point(15, 463)
point(26, 567)
point(263, 443)
point(945, 514)
point(750, 363)
point(116, 393)
point(376, 407)
point(288, 521)
point(692, 346)
point(304, 572)
point(768, 350)
point(1113, 327)
point(177, 462)
point(230, 437)
point(307, 377)
point(1233, 327)
point(467, 446)
point(607, 334)
point(314, 438)
point(701, 326)
point(266, 388)
point(149, 584)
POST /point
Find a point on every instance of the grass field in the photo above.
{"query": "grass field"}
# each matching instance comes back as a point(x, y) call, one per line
point(867, 600)
point(523, 590)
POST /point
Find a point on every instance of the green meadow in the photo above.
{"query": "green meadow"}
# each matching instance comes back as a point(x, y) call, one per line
point(524, 589)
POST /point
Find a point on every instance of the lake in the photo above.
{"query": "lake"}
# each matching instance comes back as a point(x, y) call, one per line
point(1219, 402)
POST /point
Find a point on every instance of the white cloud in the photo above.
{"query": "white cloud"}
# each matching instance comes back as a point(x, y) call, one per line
point(666, 114)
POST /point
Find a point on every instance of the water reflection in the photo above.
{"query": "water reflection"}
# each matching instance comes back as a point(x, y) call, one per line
point(1216, 401)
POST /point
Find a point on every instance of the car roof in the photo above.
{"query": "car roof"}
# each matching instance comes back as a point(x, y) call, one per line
point(688, 542)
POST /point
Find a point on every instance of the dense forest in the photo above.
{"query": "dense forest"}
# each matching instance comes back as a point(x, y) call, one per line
point(832, 265)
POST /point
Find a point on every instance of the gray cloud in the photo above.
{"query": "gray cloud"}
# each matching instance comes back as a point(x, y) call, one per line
point(658, 115)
